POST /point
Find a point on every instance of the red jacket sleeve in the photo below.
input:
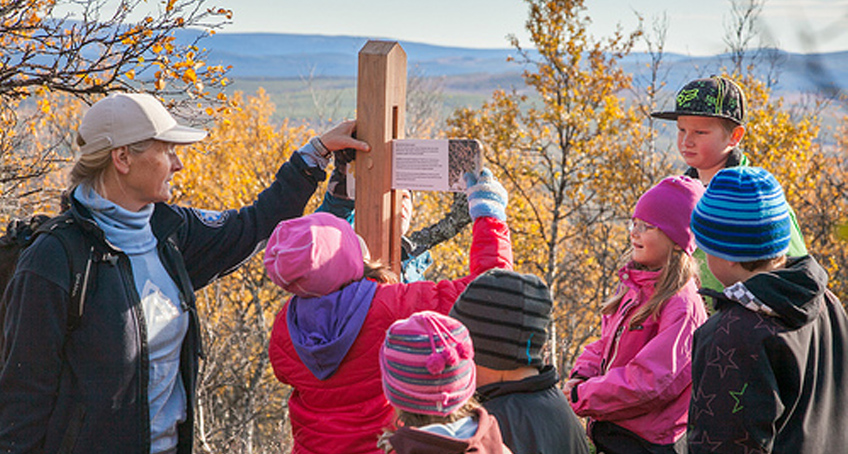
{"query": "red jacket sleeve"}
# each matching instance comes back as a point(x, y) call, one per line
point(490, 248)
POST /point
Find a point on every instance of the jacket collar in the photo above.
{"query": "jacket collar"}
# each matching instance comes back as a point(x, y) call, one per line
point(547, 377)
point(408, 440)
point(637, 278)
point(165, 220)
point(737, 158)
point(794, 293)
point(323, 328)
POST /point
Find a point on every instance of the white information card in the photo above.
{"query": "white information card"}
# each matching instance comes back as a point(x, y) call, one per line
point(434, 165)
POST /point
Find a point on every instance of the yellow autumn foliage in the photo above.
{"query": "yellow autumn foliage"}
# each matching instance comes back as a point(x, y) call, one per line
point(574, 157)
point(574, 163)
point(36, 153)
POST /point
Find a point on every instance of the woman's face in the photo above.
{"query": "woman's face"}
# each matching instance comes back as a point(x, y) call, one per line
point(150, 173)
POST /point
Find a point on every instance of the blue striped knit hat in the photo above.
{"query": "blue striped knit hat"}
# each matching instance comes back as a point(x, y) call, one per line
point(743, 216)
point(427, 364)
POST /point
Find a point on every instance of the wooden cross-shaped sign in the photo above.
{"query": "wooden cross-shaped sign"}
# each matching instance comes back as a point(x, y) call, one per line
point(380, 112)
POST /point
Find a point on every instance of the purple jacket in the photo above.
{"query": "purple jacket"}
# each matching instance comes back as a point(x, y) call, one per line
point(641, 378)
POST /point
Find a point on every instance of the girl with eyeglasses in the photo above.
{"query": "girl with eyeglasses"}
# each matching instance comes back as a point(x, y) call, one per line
point(634, 383)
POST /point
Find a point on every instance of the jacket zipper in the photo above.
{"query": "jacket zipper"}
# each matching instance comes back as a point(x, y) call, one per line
point(141, 325)
point(618, 332)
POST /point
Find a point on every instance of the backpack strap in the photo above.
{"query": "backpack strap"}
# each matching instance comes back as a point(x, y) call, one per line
point(81, 256)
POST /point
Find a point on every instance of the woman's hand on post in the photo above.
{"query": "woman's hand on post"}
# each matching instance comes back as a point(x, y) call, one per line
point(341, 136)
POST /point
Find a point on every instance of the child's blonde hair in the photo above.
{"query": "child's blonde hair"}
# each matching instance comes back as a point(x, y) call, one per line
point(375, 270)
point(729, 125)
point(405, 418)
point(678, 270)
point(682, 193)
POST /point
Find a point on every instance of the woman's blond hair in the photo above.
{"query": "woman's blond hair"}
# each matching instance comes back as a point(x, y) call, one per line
point(90, 167)
point(678, 270)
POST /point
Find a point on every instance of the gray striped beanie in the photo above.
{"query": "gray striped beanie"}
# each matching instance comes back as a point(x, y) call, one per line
point(507, 314)
point(743, 216)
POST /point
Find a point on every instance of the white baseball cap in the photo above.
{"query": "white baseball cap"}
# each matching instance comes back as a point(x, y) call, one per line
point(126, 118)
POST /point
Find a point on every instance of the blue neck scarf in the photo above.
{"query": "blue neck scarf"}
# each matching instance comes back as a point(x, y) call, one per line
point(128, 230)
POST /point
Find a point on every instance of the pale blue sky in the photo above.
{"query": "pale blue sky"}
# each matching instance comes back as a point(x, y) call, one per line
point(694, 27)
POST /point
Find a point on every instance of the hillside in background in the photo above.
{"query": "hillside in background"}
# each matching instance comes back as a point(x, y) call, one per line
point(300, 71)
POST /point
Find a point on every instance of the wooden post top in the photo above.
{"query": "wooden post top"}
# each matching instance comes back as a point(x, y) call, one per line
point(375, 47)
point(380, 116)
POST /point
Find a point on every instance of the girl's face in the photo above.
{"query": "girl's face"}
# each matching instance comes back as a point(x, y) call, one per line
point(651, 247)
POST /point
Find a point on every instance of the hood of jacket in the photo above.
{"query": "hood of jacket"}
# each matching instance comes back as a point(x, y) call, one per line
point(487, 440)
point(323, 328)
point(793, 294)
point(313, 255)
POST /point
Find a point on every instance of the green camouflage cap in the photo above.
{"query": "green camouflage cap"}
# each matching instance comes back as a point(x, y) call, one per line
point(714, 96)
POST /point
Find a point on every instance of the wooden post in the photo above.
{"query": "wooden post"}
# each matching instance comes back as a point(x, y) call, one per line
point(380, 113)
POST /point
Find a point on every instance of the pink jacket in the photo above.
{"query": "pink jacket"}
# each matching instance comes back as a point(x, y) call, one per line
point(346, 412)
point(641, 378)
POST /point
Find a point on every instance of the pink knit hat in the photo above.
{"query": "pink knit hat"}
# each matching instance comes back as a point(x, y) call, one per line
point(669, 205)
point(427, 364)
point(313, 255)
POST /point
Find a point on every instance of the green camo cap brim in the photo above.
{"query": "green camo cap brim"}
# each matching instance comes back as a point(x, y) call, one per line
point(674, 114)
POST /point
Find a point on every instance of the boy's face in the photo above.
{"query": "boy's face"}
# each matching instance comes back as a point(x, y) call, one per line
point(704, 143)
point(725, 271)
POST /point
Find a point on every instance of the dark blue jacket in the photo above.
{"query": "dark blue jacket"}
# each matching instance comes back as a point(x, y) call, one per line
point(85, 390)
point(534, 415)
point(772, 380)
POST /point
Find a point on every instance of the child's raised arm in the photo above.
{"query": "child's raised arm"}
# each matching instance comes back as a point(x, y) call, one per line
point(490, 248)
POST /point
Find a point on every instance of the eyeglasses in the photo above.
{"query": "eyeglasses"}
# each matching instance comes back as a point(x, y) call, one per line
point(639, 226)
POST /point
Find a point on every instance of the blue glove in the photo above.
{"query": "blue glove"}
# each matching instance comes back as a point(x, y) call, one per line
point(486, 196)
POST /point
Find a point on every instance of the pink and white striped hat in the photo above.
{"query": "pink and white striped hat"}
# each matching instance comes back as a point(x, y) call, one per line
point(427, 364)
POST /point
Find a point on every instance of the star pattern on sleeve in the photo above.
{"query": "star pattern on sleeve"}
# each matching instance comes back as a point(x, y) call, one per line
point(745, 443)
point(723, 360)
point(728, 318)
point(737, 397)
point(704, 441)
point(701, 404)
point(766, 323)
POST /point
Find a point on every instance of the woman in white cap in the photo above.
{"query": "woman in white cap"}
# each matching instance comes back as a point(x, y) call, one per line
point(122, 377)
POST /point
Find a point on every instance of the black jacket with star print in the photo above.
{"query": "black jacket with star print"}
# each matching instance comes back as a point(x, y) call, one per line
point(772, 379)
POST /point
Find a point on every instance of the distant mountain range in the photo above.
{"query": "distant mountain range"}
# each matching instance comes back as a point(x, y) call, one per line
point(283, 56)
